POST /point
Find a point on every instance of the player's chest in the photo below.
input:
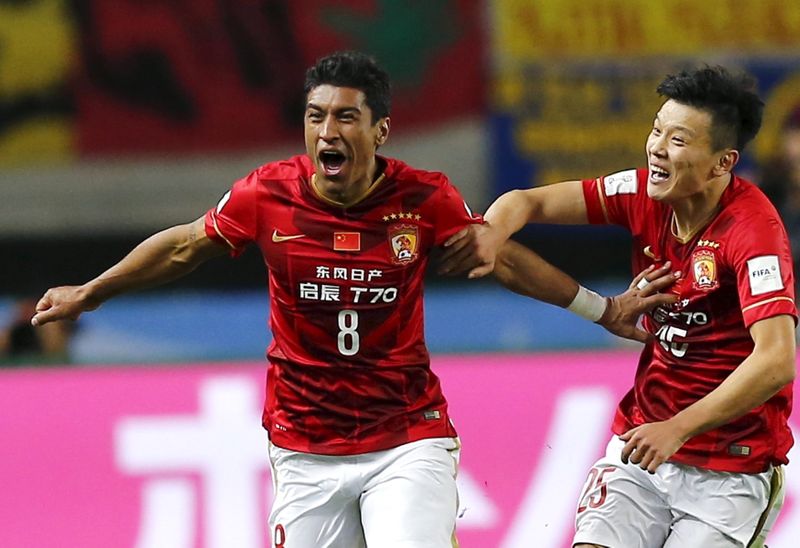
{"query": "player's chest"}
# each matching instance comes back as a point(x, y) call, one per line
point(380, 244)
point(707, 280)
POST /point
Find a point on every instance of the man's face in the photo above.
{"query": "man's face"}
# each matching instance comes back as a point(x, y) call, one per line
point(679, 153)
point(341, 139)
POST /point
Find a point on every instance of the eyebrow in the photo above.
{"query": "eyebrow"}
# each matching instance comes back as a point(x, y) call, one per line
point(341, 110)
point(679, 127)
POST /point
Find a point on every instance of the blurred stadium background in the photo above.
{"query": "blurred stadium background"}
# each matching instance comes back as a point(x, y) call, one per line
point(118, 118)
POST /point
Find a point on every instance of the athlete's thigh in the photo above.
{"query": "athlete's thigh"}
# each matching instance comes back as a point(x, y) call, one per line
point(313, 506)
point(411, 500)
point(689, 532)
point(730, 503)
point(619, 507)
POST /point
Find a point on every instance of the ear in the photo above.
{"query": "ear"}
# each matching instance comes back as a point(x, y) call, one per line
point(726, 162)
point(383, 131)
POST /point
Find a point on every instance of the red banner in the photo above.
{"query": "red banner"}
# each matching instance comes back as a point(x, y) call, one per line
point(205, 75)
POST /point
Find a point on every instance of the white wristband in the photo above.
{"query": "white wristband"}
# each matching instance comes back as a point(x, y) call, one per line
point(588, 304)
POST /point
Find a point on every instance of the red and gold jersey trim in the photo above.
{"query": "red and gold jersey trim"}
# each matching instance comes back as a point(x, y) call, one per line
point(767, 301)
point(219, 232)
point(602, 198)
point(351, 203)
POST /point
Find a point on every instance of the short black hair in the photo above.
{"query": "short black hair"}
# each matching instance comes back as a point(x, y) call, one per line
point(731, 99)
point(353, 69)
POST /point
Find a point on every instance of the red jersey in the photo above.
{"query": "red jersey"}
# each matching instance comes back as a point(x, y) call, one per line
point(737, 270)
point(348, 368)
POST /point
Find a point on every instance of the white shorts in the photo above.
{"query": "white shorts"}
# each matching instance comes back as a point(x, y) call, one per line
point(404, 497)
point(623, 506)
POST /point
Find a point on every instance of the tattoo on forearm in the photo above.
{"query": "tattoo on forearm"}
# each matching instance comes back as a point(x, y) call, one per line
point(192, 234)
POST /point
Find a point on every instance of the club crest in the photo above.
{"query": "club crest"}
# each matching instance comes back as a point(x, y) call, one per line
point(404, 241)
point(704, 270)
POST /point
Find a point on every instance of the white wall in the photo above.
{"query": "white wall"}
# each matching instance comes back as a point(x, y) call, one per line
point(124, 196)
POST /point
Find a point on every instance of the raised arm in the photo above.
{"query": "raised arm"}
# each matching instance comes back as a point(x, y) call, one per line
point(163, 257)
point(523, 271)
point(475, 251)
point(559, 203)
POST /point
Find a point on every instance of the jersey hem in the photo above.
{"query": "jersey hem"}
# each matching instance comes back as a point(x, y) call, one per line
point(359, 448)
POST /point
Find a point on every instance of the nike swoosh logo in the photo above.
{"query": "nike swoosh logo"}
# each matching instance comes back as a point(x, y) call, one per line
point(277, 238)
point(649, 252)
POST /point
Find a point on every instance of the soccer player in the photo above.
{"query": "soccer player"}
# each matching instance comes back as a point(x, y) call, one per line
point(702, 436)
point(362, 448)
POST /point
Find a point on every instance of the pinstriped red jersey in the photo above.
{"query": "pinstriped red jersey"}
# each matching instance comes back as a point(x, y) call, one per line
point(348, 368)
point(737, 270)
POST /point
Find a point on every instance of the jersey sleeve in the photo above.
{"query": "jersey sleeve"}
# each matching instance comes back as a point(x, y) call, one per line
point(452, 213)
point(234, 221)
point(611, 199)
point(762, 261)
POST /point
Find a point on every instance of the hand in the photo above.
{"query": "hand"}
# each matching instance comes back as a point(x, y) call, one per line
point(473, 249)
point(651, 444)
point(63, 303)
point(623, 311)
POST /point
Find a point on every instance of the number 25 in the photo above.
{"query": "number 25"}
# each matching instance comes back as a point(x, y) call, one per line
point(596, 481)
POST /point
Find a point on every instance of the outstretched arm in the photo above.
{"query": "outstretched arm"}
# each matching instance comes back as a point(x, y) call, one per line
point(523, 271)
point(475, 250)
point(161, 258)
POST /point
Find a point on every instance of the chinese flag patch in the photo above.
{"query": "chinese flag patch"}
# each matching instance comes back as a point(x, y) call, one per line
point(347, 241)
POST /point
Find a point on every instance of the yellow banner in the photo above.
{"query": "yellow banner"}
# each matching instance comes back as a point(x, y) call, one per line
point(536, 30)
point(577, 78)
point(37, 53)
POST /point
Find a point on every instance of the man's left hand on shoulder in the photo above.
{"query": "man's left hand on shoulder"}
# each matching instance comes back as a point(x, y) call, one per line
point(472, 250)
point(643, 295)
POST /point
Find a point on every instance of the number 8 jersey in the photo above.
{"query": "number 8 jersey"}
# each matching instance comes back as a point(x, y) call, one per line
point(348, 368)
point(737, 270)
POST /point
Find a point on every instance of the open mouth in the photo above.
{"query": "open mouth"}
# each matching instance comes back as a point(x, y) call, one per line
point(658, 175)
point(332, 162)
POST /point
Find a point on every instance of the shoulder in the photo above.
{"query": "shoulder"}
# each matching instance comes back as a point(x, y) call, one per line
point(627, 185)
point(748, 198)
point(289, 169)
point(627, 181)
point(406, 174)
point(749, 220)
point(749, 208)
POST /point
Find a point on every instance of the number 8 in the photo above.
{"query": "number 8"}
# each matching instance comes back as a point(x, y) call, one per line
point(348, 323)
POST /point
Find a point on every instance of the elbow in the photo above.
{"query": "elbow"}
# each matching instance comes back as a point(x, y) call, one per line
point(785, 371)
point(789, 371)
point(183, 258)
point(183, 255)
point(789, 361)
point(527, 200)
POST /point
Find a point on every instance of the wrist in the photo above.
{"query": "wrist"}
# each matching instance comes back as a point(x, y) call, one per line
point(588, 304)
point(687, 428)
point(93, 293)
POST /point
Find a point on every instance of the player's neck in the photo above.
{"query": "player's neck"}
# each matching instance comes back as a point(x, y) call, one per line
point(346, 195)
point(694, 213)
point(686, 230)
